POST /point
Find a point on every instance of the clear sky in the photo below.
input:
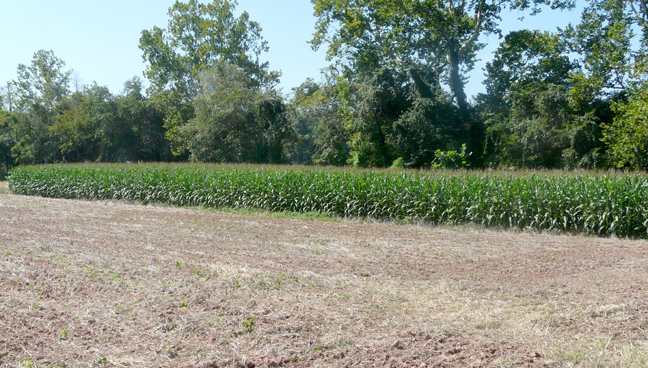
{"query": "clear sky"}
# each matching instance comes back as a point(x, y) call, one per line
point(99, 39)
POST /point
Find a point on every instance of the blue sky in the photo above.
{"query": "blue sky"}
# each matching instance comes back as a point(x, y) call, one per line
point(99, 39)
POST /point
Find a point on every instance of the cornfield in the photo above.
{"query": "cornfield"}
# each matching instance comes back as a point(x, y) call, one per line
point(599, 204)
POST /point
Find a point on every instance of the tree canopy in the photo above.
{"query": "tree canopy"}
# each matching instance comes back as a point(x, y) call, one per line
point(197, 38)
point(393, 96)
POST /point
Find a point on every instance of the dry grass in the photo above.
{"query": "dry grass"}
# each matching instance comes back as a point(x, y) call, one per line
point(4, 187)
point(112, 284)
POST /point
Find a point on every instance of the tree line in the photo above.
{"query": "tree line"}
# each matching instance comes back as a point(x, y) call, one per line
point(393, 95)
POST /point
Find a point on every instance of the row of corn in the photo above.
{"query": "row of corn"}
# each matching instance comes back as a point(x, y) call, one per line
point(600, 204)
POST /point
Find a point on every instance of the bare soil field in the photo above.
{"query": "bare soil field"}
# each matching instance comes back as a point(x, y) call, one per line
point(106, 284)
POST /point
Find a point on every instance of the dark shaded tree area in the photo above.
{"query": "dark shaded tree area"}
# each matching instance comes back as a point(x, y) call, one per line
point(392, 96)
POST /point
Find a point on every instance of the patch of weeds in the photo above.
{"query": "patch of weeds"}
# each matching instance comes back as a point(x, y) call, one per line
point(101, 339)
point(509, 361)
point(38, 288)
point(271, 282)
point(102, 360)
point(178, 265)
point(119, 309)
point(10, 252)
point(182, 305)
point(318, 348)
point(222, 320)
point(343, 343)
point(574, 355)
point(319, 252)
point(310, 216)
point(201, 275)
point(114, 277)
point(248, 325)
point(63, 334)
point(27, 364)
point(236, 282)
point(90, 272)
point(45, 248)
point(171, 351)
point(204, 298)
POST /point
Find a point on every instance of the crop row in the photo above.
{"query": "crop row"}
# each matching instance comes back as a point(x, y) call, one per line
point(593, 204)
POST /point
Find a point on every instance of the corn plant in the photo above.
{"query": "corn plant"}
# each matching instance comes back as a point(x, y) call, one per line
point(600, 204)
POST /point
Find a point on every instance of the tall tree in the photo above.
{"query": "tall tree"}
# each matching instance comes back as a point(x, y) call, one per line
point(612, 39)
point(236, 119)
point(8, 97)
point(438, 36)
point(320, 131)
point(43, 82)
point(141, 124)
point(40, 86)
point(627, 136)
point(613, 56)
point(197, 37)
point(531, 120)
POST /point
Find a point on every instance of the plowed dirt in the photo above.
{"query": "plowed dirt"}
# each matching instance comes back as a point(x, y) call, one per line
point(106, 284)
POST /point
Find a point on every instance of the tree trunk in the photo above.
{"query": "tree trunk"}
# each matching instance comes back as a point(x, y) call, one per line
point(457, 88)
point(423, 88)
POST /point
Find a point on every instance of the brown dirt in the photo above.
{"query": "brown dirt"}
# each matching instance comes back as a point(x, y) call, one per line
point(112, 284)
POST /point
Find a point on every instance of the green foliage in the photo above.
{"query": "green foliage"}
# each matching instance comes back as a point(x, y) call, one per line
point(248, 324)
point(7, 141)
point(613, 59)
point(606, 40)
point(138, 133)
point(429, 124)
point(398, 163)
point(627, 136)
point(197, 37)
point(594, 204)
point(532, 119)
point(405, 36)
point(236, 120)
point(451, 159)
point(38, 89)
point(315, 116)
point(43, 82)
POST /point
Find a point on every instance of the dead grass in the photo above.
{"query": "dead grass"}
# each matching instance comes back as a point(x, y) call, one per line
point(4, 187)
point(99, 284)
